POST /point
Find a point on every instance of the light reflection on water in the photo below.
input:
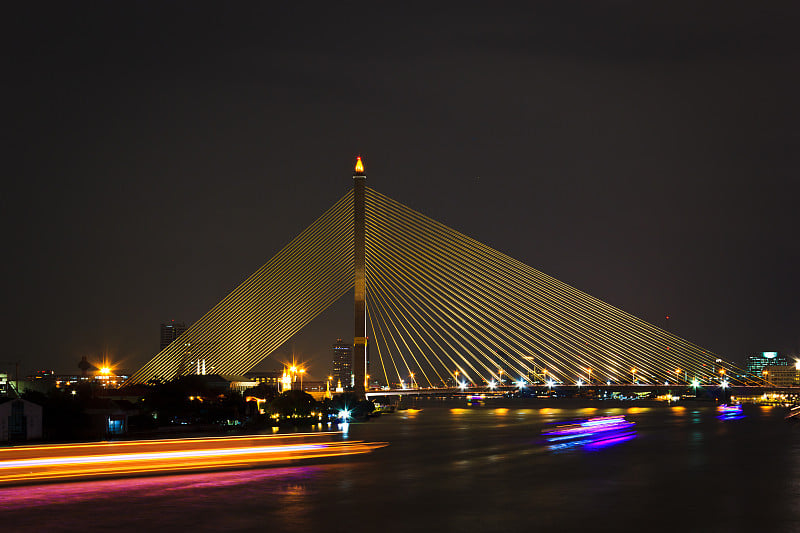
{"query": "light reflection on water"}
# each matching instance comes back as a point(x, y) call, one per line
point(730, 412)
point(451, 468)
point(591, 434)
point(74, 493)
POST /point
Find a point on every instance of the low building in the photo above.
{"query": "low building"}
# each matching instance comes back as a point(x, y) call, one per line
point(270, 378)
point(20, 420)
point(782, 375)
point(108, 418)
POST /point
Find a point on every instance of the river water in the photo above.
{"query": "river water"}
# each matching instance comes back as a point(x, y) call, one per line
point(489, 468)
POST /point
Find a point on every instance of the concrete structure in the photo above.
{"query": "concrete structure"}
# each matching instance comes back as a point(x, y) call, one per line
point(360, 334)
point(20, 420)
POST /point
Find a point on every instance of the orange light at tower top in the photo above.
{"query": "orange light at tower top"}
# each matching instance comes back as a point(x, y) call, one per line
point(359, 166)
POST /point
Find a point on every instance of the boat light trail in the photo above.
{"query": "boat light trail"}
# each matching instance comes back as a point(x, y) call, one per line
point(593, 433)
point(28, 464)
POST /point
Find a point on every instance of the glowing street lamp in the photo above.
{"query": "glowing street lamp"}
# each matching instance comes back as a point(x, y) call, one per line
point(521, 383)
point(462, 385)
point(633, 376)
point(492, 384)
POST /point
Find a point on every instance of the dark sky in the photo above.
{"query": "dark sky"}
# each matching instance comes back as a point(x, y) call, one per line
point(159, 154)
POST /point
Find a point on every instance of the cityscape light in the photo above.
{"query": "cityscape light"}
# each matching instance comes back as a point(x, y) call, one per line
point(695, 383)
point(492, 384)
point(344, 414)
point(462, 385)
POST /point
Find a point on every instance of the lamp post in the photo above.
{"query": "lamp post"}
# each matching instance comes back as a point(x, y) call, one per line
point(456, 373)
point(633, 376)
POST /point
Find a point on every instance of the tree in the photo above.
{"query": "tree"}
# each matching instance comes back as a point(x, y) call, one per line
point(293, 403)
point(349, 401)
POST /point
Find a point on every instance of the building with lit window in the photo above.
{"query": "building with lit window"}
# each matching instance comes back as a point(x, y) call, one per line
point(269, 378)
point(170, 332)
point(782, 375)
point(342, 365)
point(758, 362)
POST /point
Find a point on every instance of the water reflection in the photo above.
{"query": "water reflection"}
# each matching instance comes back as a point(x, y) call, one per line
point(729, 412)
point(594, 433)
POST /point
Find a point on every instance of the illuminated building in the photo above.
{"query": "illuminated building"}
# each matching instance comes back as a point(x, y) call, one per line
point(757, 363)
point(270, 379)
point(342, 364)
point(782, 375)
point(170, 332)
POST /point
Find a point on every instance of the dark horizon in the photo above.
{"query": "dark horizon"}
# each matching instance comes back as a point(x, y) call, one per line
point(159, 155)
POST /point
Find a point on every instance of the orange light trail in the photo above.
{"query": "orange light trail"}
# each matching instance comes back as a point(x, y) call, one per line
point(28, 464)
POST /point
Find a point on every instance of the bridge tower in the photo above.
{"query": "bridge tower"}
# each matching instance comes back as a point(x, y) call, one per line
point(360, 335)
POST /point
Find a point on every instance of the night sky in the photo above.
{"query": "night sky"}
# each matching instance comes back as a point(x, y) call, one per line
point(158, 154)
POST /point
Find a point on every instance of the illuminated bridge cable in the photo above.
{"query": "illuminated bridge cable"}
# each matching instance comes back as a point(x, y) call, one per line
point(602, 349)
point(415, 333)
point(439, 304)
point(298, 283)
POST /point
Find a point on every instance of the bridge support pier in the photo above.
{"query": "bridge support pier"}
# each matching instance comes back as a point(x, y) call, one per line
point(360, 335)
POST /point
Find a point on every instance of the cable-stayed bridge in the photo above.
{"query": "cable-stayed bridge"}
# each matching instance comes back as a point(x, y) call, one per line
point(437, 309)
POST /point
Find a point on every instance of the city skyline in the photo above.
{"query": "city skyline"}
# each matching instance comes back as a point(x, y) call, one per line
point(657, 177)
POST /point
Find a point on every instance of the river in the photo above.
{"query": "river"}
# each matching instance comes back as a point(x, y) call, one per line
point(489, 468)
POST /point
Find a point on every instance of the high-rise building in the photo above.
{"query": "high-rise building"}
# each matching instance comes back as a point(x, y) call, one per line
point(758, 362)
point(170, 332)
point(342, 364)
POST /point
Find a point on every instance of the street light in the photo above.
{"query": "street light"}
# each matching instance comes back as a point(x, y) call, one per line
point(633, 376)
